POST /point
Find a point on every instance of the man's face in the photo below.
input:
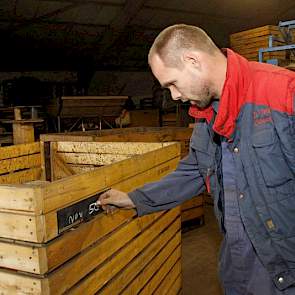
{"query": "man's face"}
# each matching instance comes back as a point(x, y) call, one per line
point(186, 83)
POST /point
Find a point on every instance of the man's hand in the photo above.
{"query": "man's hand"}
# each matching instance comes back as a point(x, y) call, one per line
point(114, 198)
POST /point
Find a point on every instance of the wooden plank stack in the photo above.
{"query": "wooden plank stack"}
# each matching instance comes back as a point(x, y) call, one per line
point(192, 209)
point(46, 247)
point(247, 43)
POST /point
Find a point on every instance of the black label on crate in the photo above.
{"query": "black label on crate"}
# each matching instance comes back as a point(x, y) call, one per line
point(77, 213)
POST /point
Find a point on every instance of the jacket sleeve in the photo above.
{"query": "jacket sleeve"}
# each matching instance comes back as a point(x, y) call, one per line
point(182, 184)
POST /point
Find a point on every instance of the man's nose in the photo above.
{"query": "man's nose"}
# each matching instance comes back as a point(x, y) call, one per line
point(175, 94)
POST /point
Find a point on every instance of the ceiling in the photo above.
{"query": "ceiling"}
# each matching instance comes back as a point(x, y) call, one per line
point(115, 34)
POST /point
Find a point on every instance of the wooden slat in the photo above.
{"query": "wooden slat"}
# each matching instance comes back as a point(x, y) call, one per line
point(23, 198)
point(265, 56)
point(175, 289)
point(22, 227)
point(21, 176)
point(153, 267)
point(194, 202)
point(88, 158)
point(150, 278)
point(164, 269)
point(255, 51)
point(253, 45)
point(169, 280)
point(65, 277)
point(116, 148)
point(123, 267)
point(81, 168)
point(252, 41)
point(13, 283)
point(28, 161)
point(128, 275)
point(260, 31)
point(25, 258)
point(19, 150)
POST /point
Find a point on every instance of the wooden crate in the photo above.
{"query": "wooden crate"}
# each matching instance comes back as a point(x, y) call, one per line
point(91, 106)
point(247, 43)
point(190, 210)
point(45, 248)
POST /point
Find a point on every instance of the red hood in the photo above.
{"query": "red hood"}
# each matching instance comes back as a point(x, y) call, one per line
point(232, 97)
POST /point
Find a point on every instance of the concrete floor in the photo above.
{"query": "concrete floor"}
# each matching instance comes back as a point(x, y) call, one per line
point(200, 248)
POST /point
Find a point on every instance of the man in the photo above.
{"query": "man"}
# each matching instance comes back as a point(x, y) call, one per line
point(242, 150)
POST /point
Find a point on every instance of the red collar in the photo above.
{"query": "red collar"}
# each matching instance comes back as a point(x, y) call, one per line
point(232, 97)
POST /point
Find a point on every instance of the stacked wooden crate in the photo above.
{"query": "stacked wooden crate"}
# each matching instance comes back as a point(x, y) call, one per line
point(192, 209)
point(46, 247)
point(247, 43)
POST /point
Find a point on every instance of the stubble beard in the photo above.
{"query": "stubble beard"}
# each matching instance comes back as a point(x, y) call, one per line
point(203, 99)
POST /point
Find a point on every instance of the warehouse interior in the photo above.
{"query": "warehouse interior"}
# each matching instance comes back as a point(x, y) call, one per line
point(76, 91)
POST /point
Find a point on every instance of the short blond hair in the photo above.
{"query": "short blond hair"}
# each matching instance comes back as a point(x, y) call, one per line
point(174, 39)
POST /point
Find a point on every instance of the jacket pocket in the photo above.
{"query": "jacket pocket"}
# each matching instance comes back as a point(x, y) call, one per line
point(270, 158)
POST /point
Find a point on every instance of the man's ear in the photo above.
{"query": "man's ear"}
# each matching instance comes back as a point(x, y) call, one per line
point(192, 58)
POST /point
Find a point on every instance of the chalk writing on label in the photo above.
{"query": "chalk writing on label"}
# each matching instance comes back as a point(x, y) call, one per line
point(77, 213)
point(93, 208)
point(74, 217)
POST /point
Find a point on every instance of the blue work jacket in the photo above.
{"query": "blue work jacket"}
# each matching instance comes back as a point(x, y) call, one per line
point(256, 115)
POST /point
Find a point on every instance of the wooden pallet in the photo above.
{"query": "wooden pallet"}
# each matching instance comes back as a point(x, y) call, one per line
point(190, 210)
point(45, 251)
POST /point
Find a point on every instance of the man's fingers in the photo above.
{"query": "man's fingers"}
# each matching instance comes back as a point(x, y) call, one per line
point(103, 198)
